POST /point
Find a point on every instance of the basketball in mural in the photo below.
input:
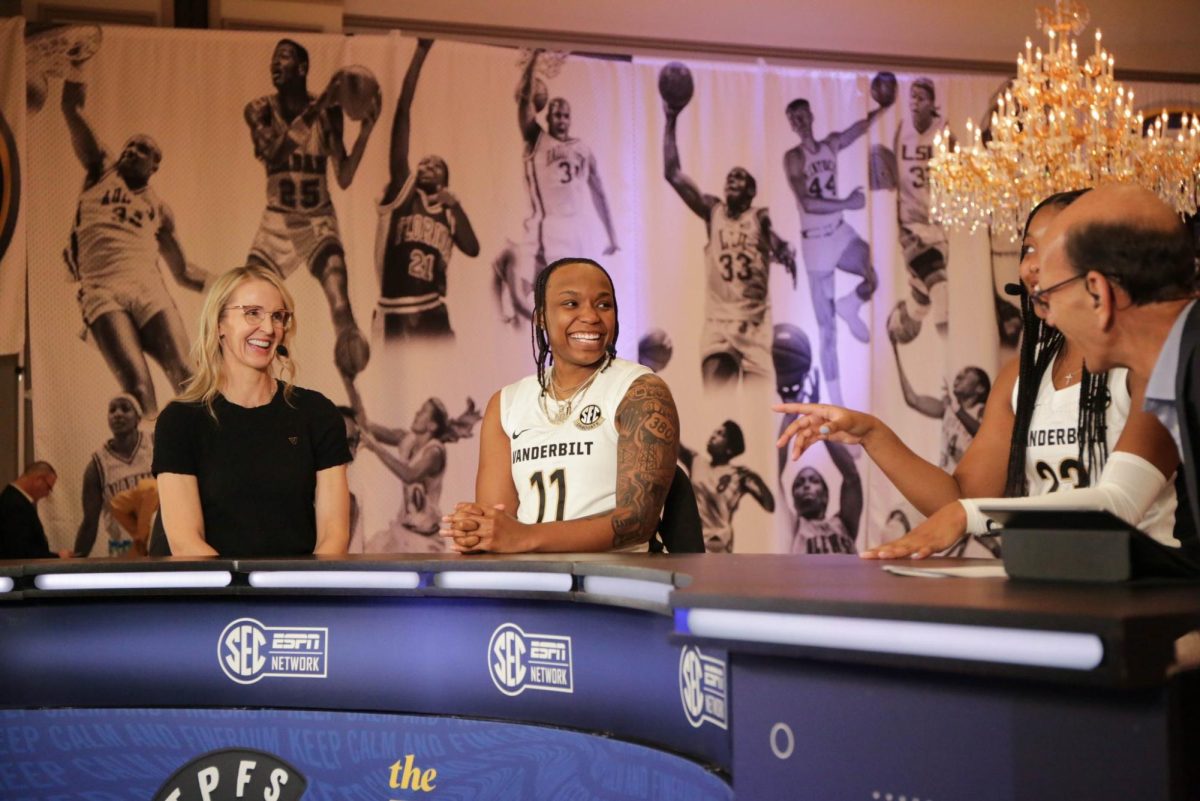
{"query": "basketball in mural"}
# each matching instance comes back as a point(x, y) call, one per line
point(675, 84)
point(655, 349)
point(351, 352)
point(541, 94)
point(791, 353)
point(36, 89)
point(901, 326)
point(357, 91)
point(883, 88)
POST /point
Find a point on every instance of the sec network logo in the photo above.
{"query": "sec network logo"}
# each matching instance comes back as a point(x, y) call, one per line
point(703, 688)
point(518, 661)
point(249, 651)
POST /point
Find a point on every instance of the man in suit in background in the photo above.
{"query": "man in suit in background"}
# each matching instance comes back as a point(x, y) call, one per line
point(21, 532)
point(1118, 276)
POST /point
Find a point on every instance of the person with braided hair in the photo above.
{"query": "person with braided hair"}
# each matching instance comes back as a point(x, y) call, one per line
point(1051, 425)
point(578, 456)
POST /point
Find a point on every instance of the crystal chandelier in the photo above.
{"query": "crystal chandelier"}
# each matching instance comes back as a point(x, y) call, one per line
point(1059, 125)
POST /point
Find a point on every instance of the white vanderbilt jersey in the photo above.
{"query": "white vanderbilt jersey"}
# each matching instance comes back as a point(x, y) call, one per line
point(1052, 455)
point(566, 471)
point(118, 474)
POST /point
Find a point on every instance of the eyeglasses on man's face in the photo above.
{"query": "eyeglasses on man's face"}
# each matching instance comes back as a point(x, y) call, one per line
point(280, 318)
point(1038, 296)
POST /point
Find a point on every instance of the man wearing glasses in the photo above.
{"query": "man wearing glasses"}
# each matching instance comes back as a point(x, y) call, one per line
point(1118, 276)
point(21, 532)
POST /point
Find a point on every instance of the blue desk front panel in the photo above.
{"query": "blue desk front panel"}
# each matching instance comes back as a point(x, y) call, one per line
point(583, 666)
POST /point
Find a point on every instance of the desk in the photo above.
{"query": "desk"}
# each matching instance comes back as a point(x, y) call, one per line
point(708, 676)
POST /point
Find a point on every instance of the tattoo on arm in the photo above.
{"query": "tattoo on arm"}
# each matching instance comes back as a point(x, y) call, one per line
point(647, 447)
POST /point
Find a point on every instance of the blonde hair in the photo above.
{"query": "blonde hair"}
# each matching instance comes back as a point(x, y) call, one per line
point(207, 358)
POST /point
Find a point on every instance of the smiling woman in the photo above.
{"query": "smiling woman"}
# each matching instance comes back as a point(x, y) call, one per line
point(249, 464)
point(580, 455)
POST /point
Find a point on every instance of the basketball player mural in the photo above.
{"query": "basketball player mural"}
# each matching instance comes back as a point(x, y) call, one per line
point(420, 224)
point(736, 342)
point(121, 228)
point(720, 485)
point(827, 242)
point(296, 136)
point(926, 249)
point(960, 408)
point(815, 531)
point(417, 457)
point(560, 174)
point(119, 464)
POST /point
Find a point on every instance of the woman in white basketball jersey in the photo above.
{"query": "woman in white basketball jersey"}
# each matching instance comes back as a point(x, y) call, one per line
point(1056, 426)
point(580, 455)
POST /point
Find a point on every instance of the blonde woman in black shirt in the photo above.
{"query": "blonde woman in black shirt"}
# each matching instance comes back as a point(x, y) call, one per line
point(248, 464)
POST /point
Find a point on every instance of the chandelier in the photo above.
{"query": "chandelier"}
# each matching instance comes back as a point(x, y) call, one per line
point(1059, 125)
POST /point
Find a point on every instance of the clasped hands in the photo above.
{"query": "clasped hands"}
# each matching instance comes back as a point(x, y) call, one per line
point(471, 528)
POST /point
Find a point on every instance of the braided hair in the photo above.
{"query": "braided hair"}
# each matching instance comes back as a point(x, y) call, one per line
point(542, 356)
point(1040, 345)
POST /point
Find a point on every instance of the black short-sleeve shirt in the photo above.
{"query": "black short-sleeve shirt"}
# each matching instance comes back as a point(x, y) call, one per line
point(256, 468)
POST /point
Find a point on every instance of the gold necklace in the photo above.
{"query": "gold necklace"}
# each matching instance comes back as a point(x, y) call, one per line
point(563, 408)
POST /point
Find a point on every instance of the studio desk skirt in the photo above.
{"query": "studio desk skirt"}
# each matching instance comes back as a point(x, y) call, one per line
point(583, 677)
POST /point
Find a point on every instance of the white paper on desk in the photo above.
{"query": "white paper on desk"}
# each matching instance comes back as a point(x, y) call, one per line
point(973, 571)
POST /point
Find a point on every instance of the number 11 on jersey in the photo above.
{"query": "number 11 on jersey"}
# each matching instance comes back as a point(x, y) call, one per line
point(559, 478)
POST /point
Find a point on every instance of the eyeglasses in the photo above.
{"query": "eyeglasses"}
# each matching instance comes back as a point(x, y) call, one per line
point(254, 315)
point(1038, 296)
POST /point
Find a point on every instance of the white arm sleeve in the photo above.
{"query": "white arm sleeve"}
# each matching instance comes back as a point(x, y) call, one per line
point(1127, 487)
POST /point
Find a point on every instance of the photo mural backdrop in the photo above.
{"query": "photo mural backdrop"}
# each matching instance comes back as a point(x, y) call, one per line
point(766, 228)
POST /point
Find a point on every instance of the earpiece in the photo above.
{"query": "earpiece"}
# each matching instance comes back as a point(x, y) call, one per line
point(282, 351)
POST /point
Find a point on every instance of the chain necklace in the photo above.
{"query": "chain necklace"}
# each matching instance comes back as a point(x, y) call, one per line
point(563, 408)
point(1070, 375)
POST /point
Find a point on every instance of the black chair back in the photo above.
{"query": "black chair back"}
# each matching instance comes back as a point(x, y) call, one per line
point(680, 530)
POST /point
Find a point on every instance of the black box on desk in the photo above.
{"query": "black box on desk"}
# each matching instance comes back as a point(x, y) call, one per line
point(1084, 545)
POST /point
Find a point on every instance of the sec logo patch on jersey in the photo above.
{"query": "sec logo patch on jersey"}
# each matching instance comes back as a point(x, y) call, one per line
point(589, 417)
